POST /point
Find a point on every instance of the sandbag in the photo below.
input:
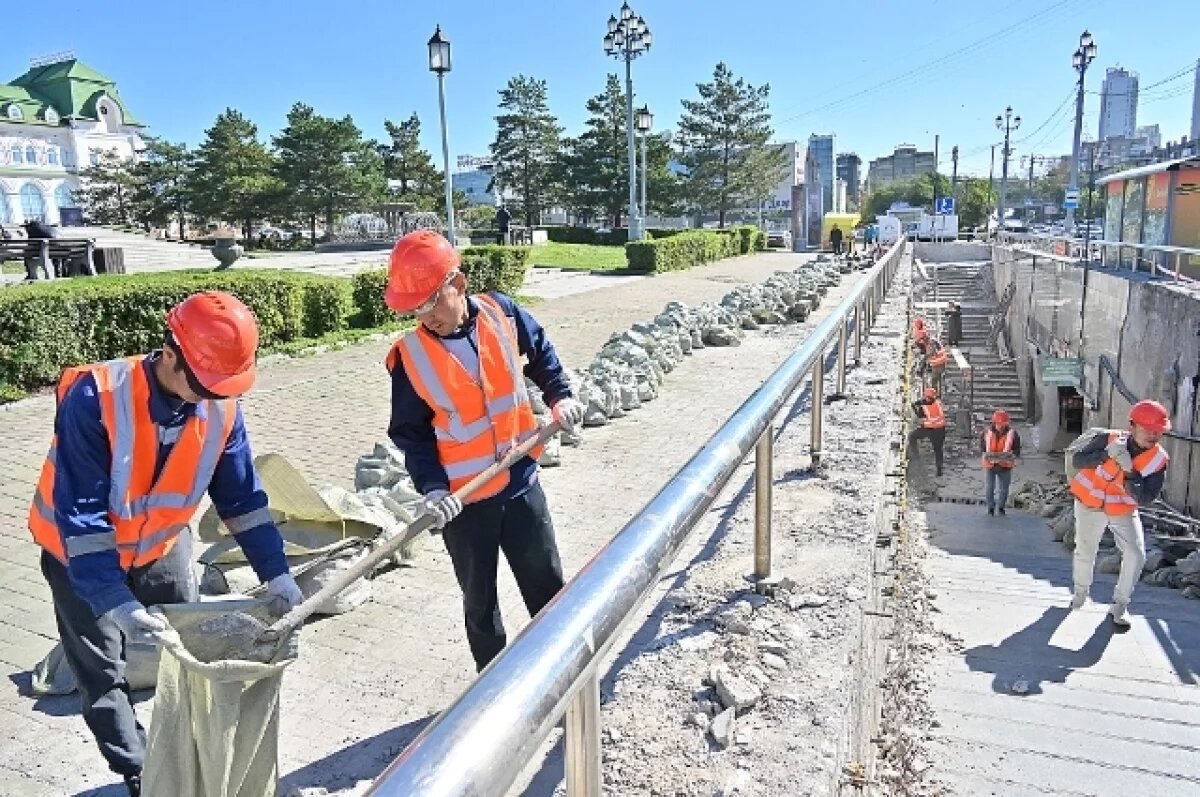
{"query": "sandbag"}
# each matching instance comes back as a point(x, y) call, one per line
point(215, 729)
point(53, 676)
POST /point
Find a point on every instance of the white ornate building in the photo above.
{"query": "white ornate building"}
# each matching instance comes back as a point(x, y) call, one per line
point(55, 120)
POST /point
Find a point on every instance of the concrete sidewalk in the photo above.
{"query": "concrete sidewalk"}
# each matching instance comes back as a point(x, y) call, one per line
point(1044, 701)
point(367, 682)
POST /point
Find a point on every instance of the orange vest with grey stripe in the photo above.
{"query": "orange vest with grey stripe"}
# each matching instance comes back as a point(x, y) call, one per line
point(938, 356)
point(998, 444)
point(475, 424)
point(1103, 487)
point(146, 513)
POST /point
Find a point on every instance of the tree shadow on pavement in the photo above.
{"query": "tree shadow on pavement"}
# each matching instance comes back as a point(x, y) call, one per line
point(363, 760)
point(1022, 662)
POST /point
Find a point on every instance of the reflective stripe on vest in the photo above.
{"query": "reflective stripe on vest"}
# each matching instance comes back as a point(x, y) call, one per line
point(475, 423)
point(147, 510)
point(998, 444)
point(935, 416)
point(938, 355)
point(1103, 487)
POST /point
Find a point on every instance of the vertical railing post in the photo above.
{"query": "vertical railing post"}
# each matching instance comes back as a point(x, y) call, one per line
point(1177, 265)
point(841, 358)
point(763, 478)
point(858, 332)
point(582, 745)
point(818, 401)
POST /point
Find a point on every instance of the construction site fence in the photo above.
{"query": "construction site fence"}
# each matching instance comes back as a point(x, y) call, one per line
point(480, 744)
point(1174, 262)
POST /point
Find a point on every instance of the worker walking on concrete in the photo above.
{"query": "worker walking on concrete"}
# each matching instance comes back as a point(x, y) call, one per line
point(1000, 446)
point(1118, 472)
point(459, 403)
point(932, 416)
point(934, 359)
point(954, 323)
point(835, 239)
point(137, 443)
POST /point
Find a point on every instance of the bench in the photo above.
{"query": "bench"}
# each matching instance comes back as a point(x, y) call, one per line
point(67, 256)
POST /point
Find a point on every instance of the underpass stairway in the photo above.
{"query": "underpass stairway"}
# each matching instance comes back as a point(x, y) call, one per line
point(996, 383)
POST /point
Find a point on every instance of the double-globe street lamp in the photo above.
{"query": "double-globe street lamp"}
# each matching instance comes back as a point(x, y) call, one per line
point(627, 38)
point(1084, 55)
point(645, 121)
point(439, 64)
point(1007, 123)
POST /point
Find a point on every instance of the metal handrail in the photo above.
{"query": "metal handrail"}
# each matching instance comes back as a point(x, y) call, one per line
point(480, 744)
point(1073, 250)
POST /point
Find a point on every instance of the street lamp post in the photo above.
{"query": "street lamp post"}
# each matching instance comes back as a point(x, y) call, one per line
point(627, 38)
point(1083, 56)
point(645, 120)
point(1007, 123)
point(439, 63)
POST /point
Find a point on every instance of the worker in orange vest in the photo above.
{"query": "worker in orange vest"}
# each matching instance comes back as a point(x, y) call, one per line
point(1000, 446)
point(934, 359)
point(932, 418)
point(459, 403)
point(1118, 472)
point(137, 444)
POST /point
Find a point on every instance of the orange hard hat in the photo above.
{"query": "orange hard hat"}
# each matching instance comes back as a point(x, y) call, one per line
point(218, 338)
point(930, 393)
point(1151, 416)
point(1000, 418)
point(918, 323)
point(419, 265)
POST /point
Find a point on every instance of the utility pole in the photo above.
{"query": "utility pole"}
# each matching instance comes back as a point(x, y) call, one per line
point(954, 176)
point(1029, 213)
point(991, 183)
point(1007, 123)
point(1083, 56)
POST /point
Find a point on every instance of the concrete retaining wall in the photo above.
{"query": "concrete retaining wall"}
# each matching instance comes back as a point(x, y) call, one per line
point(952, 252)
point(1148, 330)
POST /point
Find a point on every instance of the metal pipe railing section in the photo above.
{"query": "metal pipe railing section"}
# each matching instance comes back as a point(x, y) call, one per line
point(482, 742)
point(1151, 258)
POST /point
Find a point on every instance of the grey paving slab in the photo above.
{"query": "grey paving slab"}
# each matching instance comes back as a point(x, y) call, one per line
point(1038, 699)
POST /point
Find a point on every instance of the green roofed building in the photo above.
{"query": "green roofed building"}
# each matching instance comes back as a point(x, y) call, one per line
point(55, 120)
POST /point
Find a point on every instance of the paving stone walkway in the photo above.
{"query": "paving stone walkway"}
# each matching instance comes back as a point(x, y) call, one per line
point(368, 681)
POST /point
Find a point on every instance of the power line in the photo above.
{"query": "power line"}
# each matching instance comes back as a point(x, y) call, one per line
point(931, 64)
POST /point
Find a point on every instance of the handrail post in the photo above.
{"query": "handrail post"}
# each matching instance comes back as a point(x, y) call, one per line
point(764, 457)
point(818, 400)
point(582, 743)
point(1177, 265)
point(841, 358)
point(858, 333)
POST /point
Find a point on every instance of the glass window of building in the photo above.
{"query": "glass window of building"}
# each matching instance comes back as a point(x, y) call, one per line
point(33, 206)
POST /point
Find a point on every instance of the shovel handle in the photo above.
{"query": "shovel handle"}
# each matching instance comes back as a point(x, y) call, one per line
point(296, 617)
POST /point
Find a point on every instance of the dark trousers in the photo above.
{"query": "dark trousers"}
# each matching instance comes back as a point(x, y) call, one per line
point(95, 649)
point(837, 246)
point(936, 438)
point(522, 528)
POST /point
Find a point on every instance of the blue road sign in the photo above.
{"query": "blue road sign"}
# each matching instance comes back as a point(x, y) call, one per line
point(944, 205)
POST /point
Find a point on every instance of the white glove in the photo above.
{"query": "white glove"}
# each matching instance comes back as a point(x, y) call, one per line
point(136, 623)
point(443, 505)
point(283, 594)
point(569, 413)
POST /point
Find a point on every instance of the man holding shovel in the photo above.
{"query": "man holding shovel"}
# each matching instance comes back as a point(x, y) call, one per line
point(137, 443)
point(459, 403)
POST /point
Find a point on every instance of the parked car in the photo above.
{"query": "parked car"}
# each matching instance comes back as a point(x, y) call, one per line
point(779, 239)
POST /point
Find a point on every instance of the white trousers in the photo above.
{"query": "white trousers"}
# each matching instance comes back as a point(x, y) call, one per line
point(1127, 531)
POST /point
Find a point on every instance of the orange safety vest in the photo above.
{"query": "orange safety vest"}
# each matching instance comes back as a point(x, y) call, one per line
point(998, 444)
point(938, 355)
point(935, 415)
point(475, 424)
point(146, 513)
point(1103, 487)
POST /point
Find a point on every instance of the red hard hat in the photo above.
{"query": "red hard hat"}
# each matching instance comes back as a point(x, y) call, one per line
point(1151, 416)
point(930, 393)
point(218, 337)
point(918, 323)
point(1000, 418)
point(419, 265)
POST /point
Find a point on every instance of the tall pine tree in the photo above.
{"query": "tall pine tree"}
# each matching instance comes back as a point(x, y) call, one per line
point(526, 145)
point(234, 176)
point(595, 165)
point(326, 166)
point(161, 184)
point(723, 144)
point(407, 162)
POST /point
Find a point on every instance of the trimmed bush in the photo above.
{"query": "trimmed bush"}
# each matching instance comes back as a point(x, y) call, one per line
point(682, 251)
point(46, 327)
point(587, 235)
point(488, 268)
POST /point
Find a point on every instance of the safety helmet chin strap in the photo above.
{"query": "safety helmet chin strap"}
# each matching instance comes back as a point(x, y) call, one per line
point(192, 382)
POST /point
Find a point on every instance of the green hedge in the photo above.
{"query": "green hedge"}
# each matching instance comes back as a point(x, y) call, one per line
point(488, 268)
point(752, 238)
point(682, 251)
point(587, 235)
point(48, 326)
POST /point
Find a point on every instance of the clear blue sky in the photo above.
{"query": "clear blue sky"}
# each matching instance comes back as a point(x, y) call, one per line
point(875, 73)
